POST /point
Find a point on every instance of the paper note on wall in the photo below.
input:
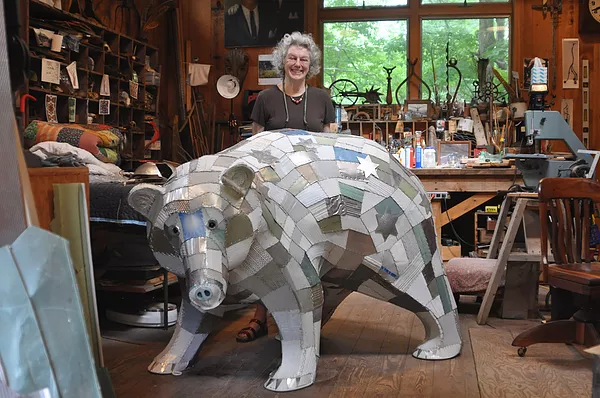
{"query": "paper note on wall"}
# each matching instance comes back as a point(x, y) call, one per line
point(72, 71)
point(50, 71)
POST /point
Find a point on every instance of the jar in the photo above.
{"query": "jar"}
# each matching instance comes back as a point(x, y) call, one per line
point(429, 160)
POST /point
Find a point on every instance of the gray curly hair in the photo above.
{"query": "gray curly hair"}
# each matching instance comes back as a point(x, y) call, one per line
point(301, 40)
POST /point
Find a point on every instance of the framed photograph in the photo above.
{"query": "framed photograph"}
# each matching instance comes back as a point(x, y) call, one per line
point(418, 109)
point(451, 152)
point(261, 23)
point(267, 74)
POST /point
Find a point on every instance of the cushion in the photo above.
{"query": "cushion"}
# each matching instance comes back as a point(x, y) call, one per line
point(469, 275)
point(100, 140)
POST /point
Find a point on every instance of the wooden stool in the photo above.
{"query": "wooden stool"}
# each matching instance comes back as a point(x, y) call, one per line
point(504, 255)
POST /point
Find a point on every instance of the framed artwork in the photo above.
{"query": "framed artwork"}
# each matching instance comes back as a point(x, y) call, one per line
point(450, 152)
point(418, 109)
point(261, 23)
point(267, 74)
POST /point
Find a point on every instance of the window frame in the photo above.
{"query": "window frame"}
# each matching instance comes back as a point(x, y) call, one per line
point(414, 12)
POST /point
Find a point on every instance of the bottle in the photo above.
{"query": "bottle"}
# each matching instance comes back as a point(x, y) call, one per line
point(419, 157)
point(338, 117)
point(429, 160)
point(402, 156)
point(407, 151)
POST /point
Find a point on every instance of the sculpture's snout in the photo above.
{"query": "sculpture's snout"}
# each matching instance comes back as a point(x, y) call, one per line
point(206, 295)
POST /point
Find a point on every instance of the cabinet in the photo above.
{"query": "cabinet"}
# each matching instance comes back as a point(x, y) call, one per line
point(100, 52)
point(485, 224)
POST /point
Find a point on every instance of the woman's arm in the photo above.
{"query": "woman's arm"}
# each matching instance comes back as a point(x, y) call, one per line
point(257, 128)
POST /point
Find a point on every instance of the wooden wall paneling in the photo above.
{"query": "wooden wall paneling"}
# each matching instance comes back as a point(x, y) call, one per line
point(414, 48)
point(530, 38)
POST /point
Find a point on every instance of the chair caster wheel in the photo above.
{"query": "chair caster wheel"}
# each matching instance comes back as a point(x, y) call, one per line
point(521, 351)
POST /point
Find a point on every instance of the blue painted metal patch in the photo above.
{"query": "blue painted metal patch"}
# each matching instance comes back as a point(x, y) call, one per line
point(346, 155)
point(192, 224)
point(293, 132)
point(387, 271)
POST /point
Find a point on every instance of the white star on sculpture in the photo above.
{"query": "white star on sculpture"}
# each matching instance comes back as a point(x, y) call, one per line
point(368, 167)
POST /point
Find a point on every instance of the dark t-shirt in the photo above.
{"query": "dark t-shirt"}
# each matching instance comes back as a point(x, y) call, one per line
point(269, 110)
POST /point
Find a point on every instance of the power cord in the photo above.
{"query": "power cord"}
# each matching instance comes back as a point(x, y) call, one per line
point(454, 230)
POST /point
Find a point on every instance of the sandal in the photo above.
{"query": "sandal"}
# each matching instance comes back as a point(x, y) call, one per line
point(251, 333)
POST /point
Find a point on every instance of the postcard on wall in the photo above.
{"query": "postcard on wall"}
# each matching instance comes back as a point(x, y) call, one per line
point(570, 63)
point(133, 89)
point(104, 107)
point(566, 110)
point(50, 71)
point(267, 74)
point(72, 71)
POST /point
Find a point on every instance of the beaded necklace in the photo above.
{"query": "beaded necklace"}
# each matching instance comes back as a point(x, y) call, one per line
point(295, 101)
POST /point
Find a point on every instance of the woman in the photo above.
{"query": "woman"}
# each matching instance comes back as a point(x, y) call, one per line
point(291, 104)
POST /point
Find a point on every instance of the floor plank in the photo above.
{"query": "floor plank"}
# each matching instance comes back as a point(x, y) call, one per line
point(394, 353)
point(548, 370)
point(364, 358)
point(457, 377)
point(417, 375)
point(366, 351)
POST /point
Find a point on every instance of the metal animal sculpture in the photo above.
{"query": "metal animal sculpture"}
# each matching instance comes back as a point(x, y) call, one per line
point(298, 220)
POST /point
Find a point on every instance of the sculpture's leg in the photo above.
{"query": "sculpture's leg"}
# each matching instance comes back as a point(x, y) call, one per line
point(300, 336)
point(296, 305)
point(333, 297)
point(193, 326)
point(432, 303)
point(442, 336)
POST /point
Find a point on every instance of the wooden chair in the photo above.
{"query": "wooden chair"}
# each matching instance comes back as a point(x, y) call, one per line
point(566, 208)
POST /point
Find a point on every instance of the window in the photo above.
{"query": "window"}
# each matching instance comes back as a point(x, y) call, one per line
point(358, 51)
point(468, 40)
point(360, 3)
point(359, 41)
point(462, 1)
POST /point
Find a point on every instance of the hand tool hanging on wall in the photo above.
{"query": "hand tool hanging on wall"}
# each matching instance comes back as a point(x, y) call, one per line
point(411, 73)
point(451, 63)
point(554, 9)
point(436, 89)
point(388, 98)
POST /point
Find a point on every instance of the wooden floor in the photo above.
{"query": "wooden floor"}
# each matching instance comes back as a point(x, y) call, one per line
point(365, 352)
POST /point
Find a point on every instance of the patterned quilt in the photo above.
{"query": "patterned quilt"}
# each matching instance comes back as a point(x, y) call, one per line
point(100, 140)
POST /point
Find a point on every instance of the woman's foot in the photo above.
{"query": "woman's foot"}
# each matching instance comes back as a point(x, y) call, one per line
point(255, 329)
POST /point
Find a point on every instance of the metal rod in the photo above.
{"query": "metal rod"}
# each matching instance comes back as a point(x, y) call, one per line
point(166, 297)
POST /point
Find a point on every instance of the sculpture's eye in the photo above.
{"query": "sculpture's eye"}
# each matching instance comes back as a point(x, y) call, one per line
point(212, 224)
point(174, 230)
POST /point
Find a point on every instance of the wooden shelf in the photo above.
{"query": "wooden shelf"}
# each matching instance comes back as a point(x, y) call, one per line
point(115, 61)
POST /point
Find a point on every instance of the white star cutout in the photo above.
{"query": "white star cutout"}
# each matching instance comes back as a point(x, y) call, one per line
point(368, 167)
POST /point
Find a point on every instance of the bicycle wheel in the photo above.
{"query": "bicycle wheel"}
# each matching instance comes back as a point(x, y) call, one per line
point(344, 92)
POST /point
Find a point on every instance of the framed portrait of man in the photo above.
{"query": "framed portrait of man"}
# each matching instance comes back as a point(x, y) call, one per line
point(261, 23)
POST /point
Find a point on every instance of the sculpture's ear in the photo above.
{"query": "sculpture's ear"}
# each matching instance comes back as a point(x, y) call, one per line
point(238, 179)
point(143, 196)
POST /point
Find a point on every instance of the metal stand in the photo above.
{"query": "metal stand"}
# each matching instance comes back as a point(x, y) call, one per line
point(166, 297)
